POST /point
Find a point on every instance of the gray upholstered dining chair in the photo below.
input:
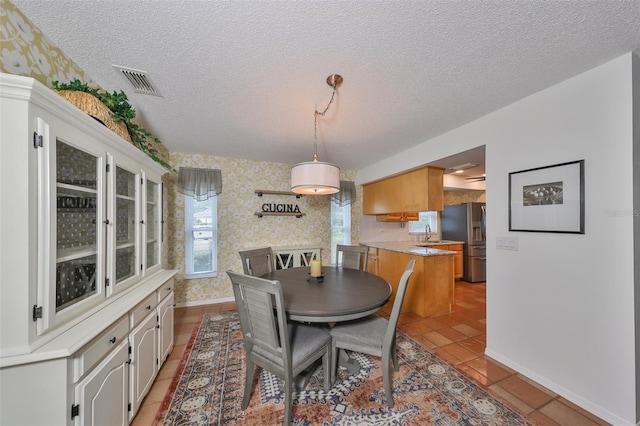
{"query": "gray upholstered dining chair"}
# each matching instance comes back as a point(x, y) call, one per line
point(373, 335)
point(354, 257)
point(282, 348)
point(257, 262)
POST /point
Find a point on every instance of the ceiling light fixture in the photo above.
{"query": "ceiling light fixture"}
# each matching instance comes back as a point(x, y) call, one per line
point(317, 177)
point(464, 166)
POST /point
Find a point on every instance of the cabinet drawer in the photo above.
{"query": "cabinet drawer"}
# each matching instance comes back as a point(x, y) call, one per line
point(165, 290)
point(93, 352)
point(143, 309)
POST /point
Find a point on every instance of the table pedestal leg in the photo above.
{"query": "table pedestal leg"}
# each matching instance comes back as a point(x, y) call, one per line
point(344, 360)
point(302, 379)
point(351, 364)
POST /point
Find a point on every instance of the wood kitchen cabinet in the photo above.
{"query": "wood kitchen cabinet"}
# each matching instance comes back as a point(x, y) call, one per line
point(398, 217)
point(372, 261)
point(431, 287)
point(458, 270)
point(414, 191)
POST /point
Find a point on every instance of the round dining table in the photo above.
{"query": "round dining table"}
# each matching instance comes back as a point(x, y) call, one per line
point(342, 294)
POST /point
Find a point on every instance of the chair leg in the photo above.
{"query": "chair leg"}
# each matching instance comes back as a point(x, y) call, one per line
point(386, 375)
point(288, 390)
point(248, 383)
point(327, 367)
point(334, 361)
point(394, 355)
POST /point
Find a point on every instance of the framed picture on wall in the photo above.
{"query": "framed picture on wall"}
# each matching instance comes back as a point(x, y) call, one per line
point(548, 199)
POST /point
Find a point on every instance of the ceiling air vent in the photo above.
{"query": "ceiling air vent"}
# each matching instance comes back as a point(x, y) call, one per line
point(140, 81)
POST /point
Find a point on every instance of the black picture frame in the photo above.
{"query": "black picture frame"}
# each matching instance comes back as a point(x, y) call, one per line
point(548, 199)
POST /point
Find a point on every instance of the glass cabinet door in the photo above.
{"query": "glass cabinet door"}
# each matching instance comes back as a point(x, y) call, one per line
point(126, 224)
point(77, 221)
point(153, 223)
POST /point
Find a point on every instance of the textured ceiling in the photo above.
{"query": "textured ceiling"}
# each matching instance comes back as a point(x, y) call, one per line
point(242, 79)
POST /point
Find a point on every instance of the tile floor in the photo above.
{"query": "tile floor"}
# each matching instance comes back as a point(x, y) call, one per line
point(458, 337)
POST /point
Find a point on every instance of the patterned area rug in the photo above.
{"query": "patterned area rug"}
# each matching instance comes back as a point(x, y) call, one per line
point(207, 390)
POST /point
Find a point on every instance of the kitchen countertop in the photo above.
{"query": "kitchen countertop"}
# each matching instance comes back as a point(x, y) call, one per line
point(410, 247)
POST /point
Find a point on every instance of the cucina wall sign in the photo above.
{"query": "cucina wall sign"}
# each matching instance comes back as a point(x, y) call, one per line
point(276, 209)
point(280, 208)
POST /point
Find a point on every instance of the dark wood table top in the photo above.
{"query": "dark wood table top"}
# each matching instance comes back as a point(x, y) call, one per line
point(343, 295)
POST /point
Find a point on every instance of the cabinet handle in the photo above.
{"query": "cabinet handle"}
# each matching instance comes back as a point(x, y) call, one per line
point(112, 340)
point(142, 222)
point(106, 222)
point(149, 308)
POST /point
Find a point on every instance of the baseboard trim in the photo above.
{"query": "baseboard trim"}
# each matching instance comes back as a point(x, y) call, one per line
point(205, 302)
point(571, 396)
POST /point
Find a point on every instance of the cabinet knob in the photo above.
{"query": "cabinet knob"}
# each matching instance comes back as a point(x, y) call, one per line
point(168, 288)
point(149, 308)
point(112, 340)
point(106, 222)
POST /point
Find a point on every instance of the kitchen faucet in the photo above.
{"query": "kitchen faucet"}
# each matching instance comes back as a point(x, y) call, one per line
point(427, 232)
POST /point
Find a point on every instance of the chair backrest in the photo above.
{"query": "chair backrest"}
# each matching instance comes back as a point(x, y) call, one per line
point(258, 262)
point(257, 300)
point(397, 303)
point(354, 257)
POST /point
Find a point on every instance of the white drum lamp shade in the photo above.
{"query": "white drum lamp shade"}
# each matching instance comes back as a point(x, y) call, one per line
point(315, 178)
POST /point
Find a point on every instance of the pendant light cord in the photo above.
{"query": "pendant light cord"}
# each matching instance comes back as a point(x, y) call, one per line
point(315, 123)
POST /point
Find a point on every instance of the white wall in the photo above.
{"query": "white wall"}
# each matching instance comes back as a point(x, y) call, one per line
point(561, 309)
point(636, 222)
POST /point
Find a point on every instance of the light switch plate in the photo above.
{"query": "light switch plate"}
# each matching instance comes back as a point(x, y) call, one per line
point(507, 243)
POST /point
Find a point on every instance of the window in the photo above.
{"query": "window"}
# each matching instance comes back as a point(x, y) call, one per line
point(420, 226)
point(201, 237)
point(340, 226)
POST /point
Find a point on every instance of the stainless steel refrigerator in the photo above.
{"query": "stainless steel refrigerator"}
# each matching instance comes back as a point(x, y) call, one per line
point(467, 222)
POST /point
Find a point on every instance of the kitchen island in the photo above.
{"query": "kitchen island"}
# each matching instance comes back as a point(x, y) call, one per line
point(431, 287)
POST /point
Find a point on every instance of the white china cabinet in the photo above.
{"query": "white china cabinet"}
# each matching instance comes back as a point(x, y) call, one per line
point(86, 310)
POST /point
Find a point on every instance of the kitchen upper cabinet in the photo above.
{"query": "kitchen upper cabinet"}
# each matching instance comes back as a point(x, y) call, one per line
point(398, 217)
point(414, 191)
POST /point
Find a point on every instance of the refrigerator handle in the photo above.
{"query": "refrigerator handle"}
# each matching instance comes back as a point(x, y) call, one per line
point(483, 221)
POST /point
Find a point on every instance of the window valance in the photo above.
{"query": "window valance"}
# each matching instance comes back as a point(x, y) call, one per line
point(201, 184)
point(346, 194)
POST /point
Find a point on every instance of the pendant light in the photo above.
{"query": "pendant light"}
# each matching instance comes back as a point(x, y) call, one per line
point(317, 177)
